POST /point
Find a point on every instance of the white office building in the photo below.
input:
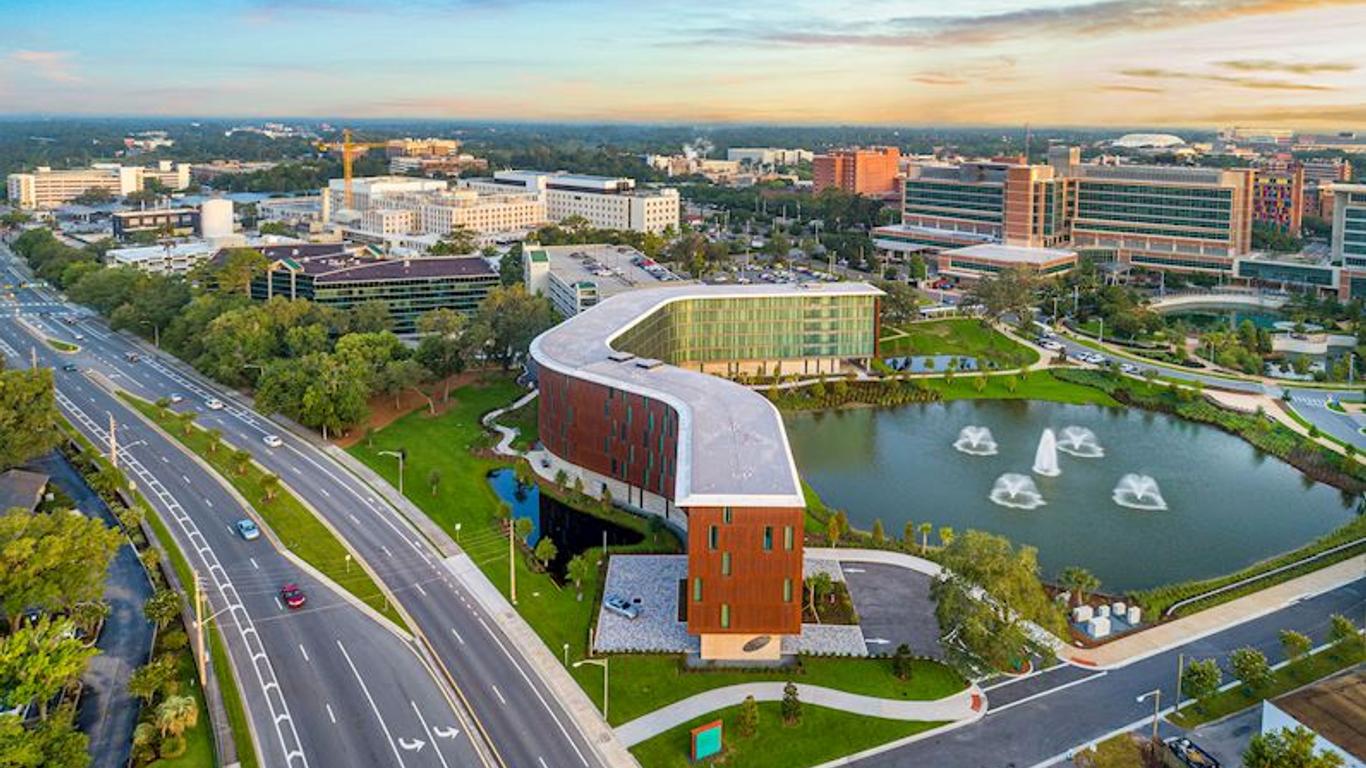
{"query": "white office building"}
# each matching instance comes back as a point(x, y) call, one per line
point(770, 156)
point(47, 188)
point(173, 258)
point(370, 191)
point(605, 202)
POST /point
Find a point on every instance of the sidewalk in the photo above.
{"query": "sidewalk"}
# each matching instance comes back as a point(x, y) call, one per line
point(960, 708)
point(1148, 642)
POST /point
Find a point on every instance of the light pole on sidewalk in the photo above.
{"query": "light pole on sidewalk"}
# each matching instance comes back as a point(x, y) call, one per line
point(1156, 693)
point(400, 454)
point(598, 663)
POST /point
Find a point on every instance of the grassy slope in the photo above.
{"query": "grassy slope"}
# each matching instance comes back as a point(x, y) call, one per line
point(640, 683)
point(959, 336)
point(1036, 385)
point(823, 734)
point(296, 527)
point(524, 420)
point(1287, 678)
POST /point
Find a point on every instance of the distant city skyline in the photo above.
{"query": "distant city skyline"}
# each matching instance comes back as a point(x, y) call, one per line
point(1176, 63)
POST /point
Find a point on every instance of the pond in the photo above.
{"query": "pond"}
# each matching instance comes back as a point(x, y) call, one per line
point(1226, 504)
point(571, 530)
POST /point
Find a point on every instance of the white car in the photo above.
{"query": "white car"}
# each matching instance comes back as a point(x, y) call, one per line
point(273, 441)
point(214, 404)
point(1129, 368)
point(1050, 344)
point(176, 398)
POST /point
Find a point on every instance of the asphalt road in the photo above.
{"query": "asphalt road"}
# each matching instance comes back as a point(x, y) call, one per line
point(894, 607)
point(525, 725)
point(325, 685)
point(107, 713)
point(1037, 720)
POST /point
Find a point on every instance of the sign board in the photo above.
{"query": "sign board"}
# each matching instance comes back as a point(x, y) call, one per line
point(706, 740)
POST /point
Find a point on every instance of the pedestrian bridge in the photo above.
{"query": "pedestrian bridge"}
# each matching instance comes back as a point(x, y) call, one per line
point(1190, 302)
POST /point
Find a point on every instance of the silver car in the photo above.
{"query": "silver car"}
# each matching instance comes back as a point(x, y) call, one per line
point(621, 606)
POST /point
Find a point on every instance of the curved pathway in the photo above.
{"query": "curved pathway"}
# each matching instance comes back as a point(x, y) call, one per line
point(504, 446)
point(960, 708)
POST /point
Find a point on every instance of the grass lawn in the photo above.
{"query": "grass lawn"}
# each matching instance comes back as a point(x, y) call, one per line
point(524, 420)
point(1035, 385)
point(199, 750)
point(640, 683)
point(62, 346)
point(823, 734)
point(964, 336)
point(1287, 678)
point(291, 521)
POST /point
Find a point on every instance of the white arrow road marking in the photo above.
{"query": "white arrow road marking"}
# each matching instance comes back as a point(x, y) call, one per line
point(430, 735)
point(415, 745)
point(446, 733)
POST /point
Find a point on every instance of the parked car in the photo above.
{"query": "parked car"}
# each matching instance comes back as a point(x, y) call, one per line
point(273, 441)
point(248, 530)
point(214, 404)
point(1129, 368)
point(292, 596)
point(621, 606)
point(1050, 344)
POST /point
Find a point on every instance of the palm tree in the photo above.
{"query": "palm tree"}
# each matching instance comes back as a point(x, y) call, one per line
point(270, 485)
point(215, 437)
point(818, 585)
point(176, 714)
point(908, 534)
point(925, 529)
point(241, 459)
point(434, 479)
point(1078, 581)
point(578, 570)
point(945, 536)
point(186, 421)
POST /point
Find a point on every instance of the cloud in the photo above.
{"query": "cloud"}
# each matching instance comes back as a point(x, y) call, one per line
point(1157, 73)
point(1096, 18)
point(53, 66)
point(1121, 88)
point(1266, 65)
point(937, 78)
point(1324, 114)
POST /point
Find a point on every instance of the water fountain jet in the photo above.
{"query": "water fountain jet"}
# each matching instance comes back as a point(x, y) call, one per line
point(1139, 492)
point(1046, 457)
point(1016, 491)
point(976, 441)
point(1080, 442)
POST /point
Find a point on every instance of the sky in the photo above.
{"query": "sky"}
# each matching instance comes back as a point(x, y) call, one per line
point(1270, 63)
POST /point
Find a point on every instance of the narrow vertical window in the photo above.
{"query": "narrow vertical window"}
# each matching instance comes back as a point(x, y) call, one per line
point(711, 537)
point(725, 616)
point(725, 563)
point(697, 589)
point(787, 590)
point(768, 538)
point(788, 537)
point(726, 515)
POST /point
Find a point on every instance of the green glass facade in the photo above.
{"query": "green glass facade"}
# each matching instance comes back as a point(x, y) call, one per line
point(1154, 209)
point(755, 328)
point(407, 298)
point(972, 201)
point(1300, 274)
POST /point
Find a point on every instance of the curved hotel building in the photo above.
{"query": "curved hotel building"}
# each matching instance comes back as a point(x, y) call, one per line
point(629, 398)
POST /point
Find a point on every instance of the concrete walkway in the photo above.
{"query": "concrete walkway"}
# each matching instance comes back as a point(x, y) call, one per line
point(504, 446)
point(962, 707)
point(1140, 645)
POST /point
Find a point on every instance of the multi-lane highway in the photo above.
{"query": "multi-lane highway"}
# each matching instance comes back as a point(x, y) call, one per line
point(511, 714)
point(325, 685)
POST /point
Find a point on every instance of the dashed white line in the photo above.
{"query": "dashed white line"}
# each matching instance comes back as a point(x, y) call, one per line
point(457, 636)
point(304, 651)
point(253, 563)
point(186, 478)
point(1041, 694)
point(330, 716)
point(541, 760)
point(366, 690)
point(208, 503)
point(386, 550)
point(498, 693)
point(165, 460)
point(419, 588)
point(278, 604)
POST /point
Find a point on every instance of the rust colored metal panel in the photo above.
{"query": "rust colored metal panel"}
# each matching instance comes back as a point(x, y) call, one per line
point(615, 433)
point(754, 588)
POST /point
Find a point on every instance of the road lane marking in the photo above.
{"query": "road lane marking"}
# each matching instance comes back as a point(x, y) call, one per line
point(572, 744)
point(1041, 694)
point(430, 735)
point(419, 588)
point(165, 460)
point(304, 651)
point(457, 636)
point(386, 550)
point(330, 716)
point(541, 760)
point(209, 503)
point(366, 690)
point(278, 604)
point(253, 563)
point(325, 493)
point(186, 478)
point(498, 693)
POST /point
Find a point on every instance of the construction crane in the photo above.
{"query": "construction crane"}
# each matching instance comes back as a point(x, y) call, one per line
point(348, 149)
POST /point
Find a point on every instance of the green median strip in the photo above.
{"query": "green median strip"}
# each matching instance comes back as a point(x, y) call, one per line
point(823, 734)
point(297, 528)
point(62, 346)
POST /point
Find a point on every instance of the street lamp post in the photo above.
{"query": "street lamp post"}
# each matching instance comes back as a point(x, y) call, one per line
point(400, 455)
point(1156, 693)
point(598, 663)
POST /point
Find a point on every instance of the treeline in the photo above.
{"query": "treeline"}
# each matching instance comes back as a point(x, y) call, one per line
point(576, 230)
point(55, 261)
point(835, 208)
point(52, 567)
point(315, 364)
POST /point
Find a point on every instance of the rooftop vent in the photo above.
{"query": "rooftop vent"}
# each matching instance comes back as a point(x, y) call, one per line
point(620, 357)
point(648, 363)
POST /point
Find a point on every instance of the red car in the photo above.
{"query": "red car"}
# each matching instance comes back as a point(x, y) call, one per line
point(292, 596)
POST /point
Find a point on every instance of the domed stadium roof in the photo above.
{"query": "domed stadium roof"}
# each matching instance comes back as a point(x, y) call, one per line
point(1148, 140)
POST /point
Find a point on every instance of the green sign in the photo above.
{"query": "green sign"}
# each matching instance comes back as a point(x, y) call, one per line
point(706, 740)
